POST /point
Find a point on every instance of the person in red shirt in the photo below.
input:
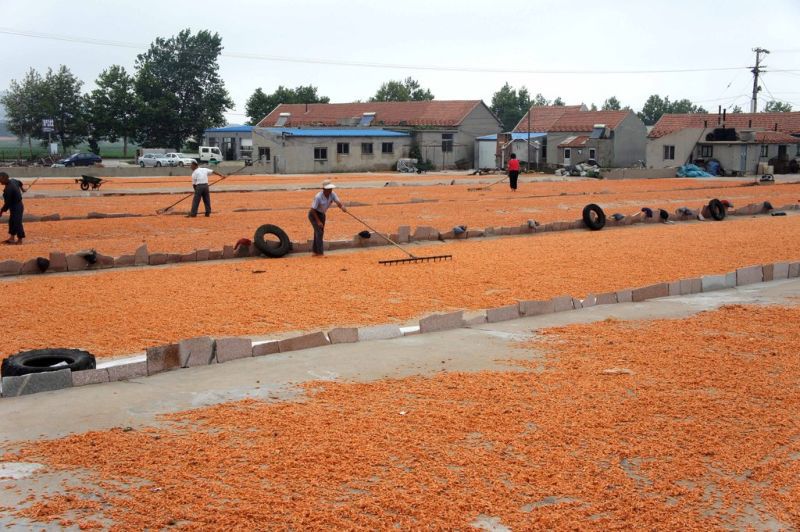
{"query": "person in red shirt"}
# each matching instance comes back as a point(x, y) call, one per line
point(513, 171)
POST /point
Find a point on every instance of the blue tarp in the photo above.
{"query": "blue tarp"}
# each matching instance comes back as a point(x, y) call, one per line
point(691, 170)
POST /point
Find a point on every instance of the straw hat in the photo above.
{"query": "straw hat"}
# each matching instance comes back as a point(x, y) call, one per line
point(327, 185)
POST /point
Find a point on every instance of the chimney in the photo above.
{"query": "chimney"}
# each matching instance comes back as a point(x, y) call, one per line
point(750, 123)
point(724, 113)
point(719, 115)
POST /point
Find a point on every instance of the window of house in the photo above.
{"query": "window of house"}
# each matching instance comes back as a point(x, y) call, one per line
point(366, 148)
point(544, 152)
point(264, 154)
point(387, 147)
point(669, 152)
point(320, 154)
point(592, 154)
point(447, 142)
point(343, 148)
point(706, 150)
point(798, 150)
point(567, 153)
point(782, 152)
point(764, 150)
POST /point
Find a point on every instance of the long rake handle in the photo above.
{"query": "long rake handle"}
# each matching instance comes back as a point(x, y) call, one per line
point(395, 244)
point(224, 177)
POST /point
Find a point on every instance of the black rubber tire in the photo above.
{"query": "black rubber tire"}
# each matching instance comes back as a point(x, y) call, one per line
point(84, 185)
point(599, 220)
point(717, 209)
point(41, 360)
point(268, 248)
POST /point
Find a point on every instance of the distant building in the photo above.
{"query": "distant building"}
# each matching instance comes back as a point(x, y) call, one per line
point(739, 141)
point(235, 142)
point(442, 131)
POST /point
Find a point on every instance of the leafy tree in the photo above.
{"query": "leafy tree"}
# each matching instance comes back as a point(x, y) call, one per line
point(611, 104)
point(63, 102)
point(402, 91)
point(558, 102)
point(178, 89)
point(774, 106)
point(593, 107)
point(510, 105)
point(261, 104)
point(112, 107)
point(540, 101)
point(655, 106)
point(22, 104)
point(736, 109)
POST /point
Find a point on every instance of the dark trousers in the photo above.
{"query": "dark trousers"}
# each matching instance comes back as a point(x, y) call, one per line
point(319, 231)
point(201, 191)
point(512, 178)
point(15, 221)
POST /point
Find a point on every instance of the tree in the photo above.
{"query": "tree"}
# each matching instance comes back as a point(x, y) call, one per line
point(611, 104)
point(65, 104)
point(593, 107)
point(402, 91)
point(655, 106)
point(736, 109)
point(774, 106)
point(540, 101)
point(112, 107)
point(261, 104)
point(558, 102)
point(510, 105)
point(22, 102)
point(178, 89)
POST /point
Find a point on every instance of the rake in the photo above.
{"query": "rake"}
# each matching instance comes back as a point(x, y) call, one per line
point(412, 258)
point(487, 187)
point(224, 177)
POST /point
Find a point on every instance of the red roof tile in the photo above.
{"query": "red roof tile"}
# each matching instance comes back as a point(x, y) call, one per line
point(671, 123)
point(574, 142)
point(543, 117)
point(428, 113)
point(775, 137)
point(568, 118)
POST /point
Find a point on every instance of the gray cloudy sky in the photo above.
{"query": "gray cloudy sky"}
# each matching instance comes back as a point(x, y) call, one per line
point(533, 35)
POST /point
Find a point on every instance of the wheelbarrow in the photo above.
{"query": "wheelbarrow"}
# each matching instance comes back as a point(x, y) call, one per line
point(87, 181)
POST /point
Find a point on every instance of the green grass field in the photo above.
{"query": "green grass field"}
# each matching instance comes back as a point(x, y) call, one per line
point(10, 149)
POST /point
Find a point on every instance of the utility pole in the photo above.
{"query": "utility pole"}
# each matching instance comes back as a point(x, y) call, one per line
point(529, 139)
point(756, 70)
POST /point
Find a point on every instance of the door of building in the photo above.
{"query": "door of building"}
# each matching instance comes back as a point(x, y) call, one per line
point(567, 157)
point(743, 159)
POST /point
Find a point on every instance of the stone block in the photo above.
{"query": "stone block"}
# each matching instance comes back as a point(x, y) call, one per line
point(306, 341)
point(29, 267)
point(266, 348)
point(441, 322)
point(341, 244)
point(343, 335)
point(515, 231)
point(253, 251)
point(58, 261)
point(93, 215)
point(124, 260)
point(141, 256)
point(576, 303)
point(404, 234)
point(125, 372)
point(675, 288)
point(173, 258)
point(228, 252)
point(103, 262)
point(730, 280)
point(650, 292)
point(545, 228)
point(426, 232)
point(198, 351)
point(233, 348)
point(794, 270)
point(624, 296)
point(562, 303)
point(379, 332)
point(10, 267)
point(157, 259)
point(509, 312)
point(691, 286)
point(474, 233)
point(607, 298)
point(163, 358)
point(241, 251)
point(45, 381)
point(215, 254)
point(202, 254)
point(76, 263)
point(449, 235)
point(535, 308)
point(301, 247)
point(51, 217)
point(489, 231)
point(780, 270)
point(89, 376)
point(189, 257)
point(768, 270)
point(749, 275)
point(713, 282)
point(474, 318)
point(589, 301)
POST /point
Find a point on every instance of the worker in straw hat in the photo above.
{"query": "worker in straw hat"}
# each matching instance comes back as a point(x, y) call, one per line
point(316, 215)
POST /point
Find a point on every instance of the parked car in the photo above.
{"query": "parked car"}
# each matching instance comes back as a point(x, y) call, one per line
point(153, 159)
point(179, 159)
point(81, 159)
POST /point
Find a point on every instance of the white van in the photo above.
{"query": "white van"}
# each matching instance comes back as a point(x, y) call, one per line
point(208, 153)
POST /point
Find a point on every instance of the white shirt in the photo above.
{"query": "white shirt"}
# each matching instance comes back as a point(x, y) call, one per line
point(321, 203)
point(200, 176)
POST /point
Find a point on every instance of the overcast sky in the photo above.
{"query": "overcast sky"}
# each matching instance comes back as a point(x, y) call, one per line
point(533, 36)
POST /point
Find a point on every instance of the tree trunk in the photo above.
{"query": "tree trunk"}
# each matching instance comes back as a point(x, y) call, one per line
point(125, 146)
point(30, 146)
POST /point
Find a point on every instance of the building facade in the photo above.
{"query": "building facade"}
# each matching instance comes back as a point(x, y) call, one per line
point(235, 142)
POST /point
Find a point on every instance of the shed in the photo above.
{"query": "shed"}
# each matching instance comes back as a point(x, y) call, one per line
point(492, 154)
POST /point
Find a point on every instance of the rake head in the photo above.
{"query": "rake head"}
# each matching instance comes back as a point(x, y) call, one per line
point(432, 258)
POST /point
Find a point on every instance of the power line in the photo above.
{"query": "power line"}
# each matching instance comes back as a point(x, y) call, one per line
point(364, 64)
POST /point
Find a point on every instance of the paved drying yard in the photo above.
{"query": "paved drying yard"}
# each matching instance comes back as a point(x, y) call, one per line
point(677, 420)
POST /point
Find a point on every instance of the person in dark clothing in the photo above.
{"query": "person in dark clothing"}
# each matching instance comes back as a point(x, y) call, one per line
point(12, 202)
point(513, 171)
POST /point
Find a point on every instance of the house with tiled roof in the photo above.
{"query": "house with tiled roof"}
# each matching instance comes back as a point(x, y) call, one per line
point(574, 135)
point(353, 137)
point(739, 141)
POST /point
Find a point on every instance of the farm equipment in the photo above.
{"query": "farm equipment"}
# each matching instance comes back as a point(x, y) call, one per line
point(407, 166)
point(87, 181)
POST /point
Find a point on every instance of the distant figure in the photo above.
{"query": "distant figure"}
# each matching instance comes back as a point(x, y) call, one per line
point(200, 185)
point(513, 171)
point(12, 202)
point(316, 215)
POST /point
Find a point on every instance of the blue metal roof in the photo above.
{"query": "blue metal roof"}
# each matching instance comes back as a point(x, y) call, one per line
point(333, 132)
point(230, 129)
point(514, 136)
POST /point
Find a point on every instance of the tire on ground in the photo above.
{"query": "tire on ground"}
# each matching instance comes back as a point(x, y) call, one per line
point(717, 209)
point(596, 222)
point(268, 248)
point(41, 360)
